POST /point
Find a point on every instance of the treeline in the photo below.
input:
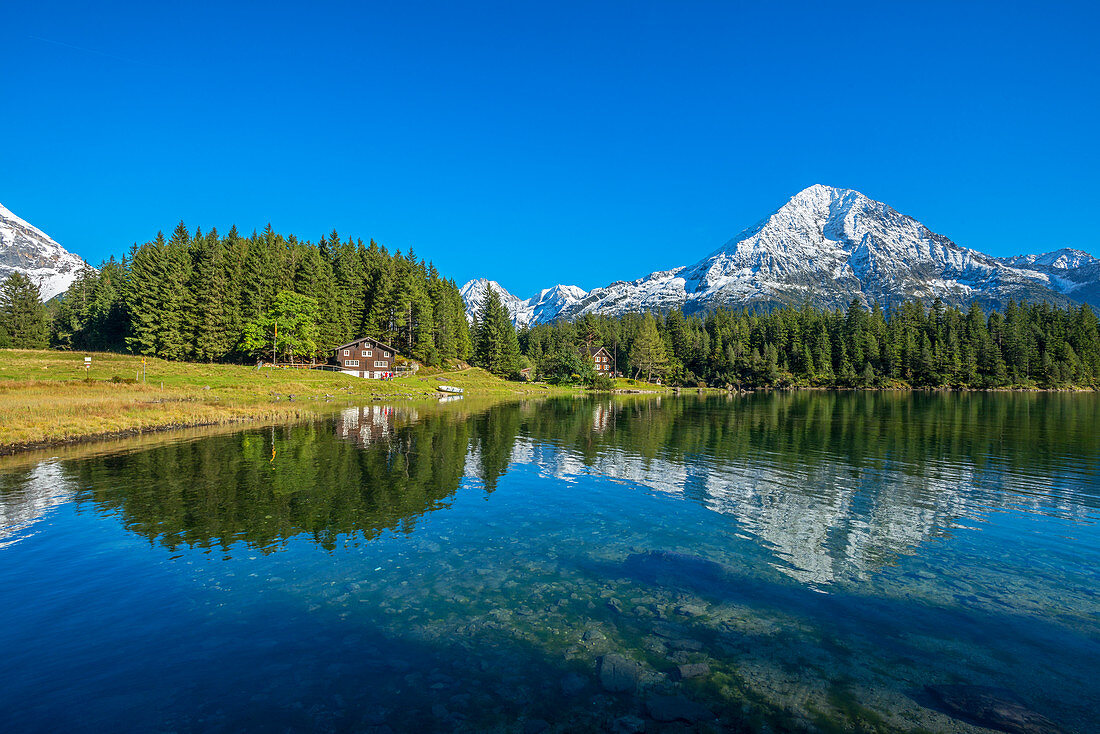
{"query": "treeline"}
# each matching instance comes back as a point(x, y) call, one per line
point(211, 298)
point(206, 297)
point(917, 345)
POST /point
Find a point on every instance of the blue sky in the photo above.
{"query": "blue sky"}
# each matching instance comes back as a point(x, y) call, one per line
point(537, 143)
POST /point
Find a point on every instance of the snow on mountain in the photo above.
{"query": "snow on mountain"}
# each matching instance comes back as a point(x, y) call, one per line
point(473, 293)
point(1071, 272)
point(28, 250)
point(544, 306)
point(826, 246)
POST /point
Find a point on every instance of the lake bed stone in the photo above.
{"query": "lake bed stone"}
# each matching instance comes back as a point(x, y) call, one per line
point(692, 670)
point(619, 674)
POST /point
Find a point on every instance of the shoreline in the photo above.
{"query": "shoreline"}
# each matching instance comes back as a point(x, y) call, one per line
point(265, 416)
point(48, 400)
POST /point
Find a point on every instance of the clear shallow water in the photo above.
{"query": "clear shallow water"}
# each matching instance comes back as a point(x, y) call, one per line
point(825, 555)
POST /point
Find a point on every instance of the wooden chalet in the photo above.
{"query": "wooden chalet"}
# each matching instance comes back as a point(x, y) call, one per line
point(367, 358)
point(601, 359)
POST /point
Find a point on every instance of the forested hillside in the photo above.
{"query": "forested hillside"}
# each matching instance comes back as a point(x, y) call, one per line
point(1027, 345)
point(207, 297)
point(204, 297)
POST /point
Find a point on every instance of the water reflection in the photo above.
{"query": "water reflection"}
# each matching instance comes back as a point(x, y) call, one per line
point(835, 485)
point(788, 562)
point(27, 496)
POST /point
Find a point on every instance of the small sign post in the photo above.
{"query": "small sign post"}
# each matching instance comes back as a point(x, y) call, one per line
point(143, 370)
point(87, 366)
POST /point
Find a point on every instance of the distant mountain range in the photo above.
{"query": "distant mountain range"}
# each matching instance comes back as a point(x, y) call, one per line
point(824, 247)
point(28, 250)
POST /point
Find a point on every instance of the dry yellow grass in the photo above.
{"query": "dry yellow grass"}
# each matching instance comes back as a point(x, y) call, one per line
point(45, 397)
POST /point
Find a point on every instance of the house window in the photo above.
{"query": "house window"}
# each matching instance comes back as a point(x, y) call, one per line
point(368, 353)
point(351, 362)
point(347, 352)
point(385, 354)
point(380, 363)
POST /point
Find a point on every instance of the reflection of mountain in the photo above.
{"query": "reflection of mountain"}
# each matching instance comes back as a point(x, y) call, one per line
point(833, 485)
point(26, 497)
point(839, 506)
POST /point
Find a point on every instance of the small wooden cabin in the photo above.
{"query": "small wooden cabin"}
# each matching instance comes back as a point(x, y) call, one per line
point(601, 360)
point(367, 358)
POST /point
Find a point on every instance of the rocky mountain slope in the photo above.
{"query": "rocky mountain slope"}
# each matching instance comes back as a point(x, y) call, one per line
point(825, 247)
point(1073, 273)
point(544, 306)
point(28, 250)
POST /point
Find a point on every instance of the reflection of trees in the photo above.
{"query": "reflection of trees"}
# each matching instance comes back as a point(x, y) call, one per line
point(838, 476)
point(865, 428)
point(837, 483)
point(216, 491)
point(494, 434)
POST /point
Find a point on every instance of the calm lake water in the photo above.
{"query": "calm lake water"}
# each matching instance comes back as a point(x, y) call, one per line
point(778, 562)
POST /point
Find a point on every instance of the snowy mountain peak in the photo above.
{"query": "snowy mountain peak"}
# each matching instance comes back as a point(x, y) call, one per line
point(1065, 258)
point(541, 307)
point(26, 249)
point(827, 246)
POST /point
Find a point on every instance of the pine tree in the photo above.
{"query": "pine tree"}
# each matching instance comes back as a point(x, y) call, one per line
point(496, 347)
point(648, 353)
point(22, 315)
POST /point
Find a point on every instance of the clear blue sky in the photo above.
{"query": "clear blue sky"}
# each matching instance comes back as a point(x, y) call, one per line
point(537, 143)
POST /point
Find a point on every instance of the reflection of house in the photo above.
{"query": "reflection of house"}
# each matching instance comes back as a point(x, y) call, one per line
point(366, 357)
point(601, 360)
point(366, 424)
point(601, 417)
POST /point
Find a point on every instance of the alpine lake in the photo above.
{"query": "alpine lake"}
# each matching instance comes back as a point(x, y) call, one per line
point(776, 562)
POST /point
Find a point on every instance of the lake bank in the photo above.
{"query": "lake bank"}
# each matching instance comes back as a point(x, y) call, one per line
point(48, 399)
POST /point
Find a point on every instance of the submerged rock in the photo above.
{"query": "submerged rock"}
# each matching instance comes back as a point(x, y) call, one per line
point(994, 708)
point(619, 674)
point(676, 708)
point(692, 670)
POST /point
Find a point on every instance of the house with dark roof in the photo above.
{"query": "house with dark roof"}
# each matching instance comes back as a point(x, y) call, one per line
point(601, 360)
point(366, 357)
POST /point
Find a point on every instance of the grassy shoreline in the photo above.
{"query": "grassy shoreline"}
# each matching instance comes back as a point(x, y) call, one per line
point(47, 400)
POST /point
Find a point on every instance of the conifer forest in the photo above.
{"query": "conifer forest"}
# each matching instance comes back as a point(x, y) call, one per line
point(204, 297)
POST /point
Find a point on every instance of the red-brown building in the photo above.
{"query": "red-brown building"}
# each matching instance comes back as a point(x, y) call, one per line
point(366, 357)
point(601, 360)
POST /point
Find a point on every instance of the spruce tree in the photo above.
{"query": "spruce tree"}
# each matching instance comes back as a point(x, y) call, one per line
point(22, 315)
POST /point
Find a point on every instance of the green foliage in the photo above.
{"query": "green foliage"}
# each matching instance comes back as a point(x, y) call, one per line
point(647, 353)
point(1033, 345)
point(289, 327)
point(195, 296)
point(22, 315)
point(603, 383)
point(496, 346)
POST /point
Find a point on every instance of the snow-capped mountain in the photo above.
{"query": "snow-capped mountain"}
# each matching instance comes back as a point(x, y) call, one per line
point(544, 306)
point(28, 250)
point(825, 247)
point(1071, 272)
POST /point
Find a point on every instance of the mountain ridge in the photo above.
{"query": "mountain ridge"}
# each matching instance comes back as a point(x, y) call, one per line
point(26, 249)
point(826, 246)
